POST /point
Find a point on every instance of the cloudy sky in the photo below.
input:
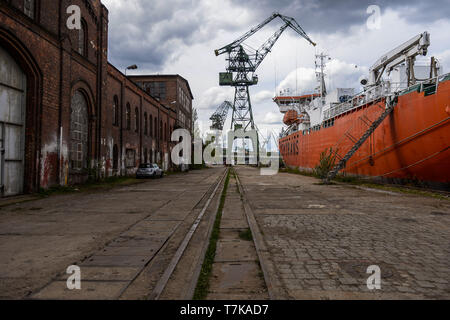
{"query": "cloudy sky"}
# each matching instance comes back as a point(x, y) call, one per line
point(179, 36)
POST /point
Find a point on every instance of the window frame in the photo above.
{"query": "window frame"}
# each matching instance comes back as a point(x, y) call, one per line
point(116, 111)
point(145, 124)
point(33, 11)
point(128, 116)
point(137, 123)
point(85, 32)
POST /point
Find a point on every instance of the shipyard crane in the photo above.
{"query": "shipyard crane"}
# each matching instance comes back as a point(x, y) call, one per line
point(242, 64)
point(220, 116)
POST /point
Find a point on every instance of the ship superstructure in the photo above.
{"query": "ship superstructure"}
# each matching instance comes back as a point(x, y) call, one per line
point(359, 127)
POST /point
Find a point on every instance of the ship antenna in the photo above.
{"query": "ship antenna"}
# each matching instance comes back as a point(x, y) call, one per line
point(320, 73)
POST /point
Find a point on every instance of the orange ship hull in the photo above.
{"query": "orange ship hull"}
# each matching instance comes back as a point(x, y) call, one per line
point(412, 143)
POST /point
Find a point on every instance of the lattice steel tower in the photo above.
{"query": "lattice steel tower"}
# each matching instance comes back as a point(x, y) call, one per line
point(242, 65)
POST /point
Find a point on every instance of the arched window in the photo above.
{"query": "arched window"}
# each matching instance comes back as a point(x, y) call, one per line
point(116, 111)
point(82, 39)
point(78, 132)
point(160, 130)
point(145, 123)
point(136, 118)
point(128, 117)
point(29, 8)
point(156, 128)
point(151, 126)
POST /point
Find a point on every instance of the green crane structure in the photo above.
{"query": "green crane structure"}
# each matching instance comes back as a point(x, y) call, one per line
point(242, 65)
point(220, 116)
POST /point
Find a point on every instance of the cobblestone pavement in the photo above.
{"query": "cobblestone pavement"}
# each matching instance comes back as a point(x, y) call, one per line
point(105, 232)
point(321, 239)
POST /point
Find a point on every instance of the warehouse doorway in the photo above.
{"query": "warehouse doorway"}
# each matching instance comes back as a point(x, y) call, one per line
point(13, 84)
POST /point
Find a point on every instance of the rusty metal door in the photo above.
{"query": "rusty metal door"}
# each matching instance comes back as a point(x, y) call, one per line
point(12, 125)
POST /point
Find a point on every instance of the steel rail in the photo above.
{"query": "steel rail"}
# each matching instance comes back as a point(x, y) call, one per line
point(162, 282)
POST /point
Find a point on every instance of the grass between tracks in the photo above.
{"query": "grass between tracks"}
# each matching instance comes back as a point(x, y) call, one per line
point(201, 291)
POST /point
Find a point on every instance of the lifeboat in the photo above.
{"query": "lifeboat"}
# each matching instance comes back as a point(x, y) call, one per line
point(292, 117)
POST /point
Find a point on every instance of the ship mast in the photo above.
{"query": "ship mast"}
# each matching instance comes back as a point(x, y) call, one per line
point(320, 73)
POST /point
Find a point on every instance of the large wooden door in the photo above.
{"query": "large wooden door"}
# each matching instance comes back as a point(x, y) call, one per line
point(12, 125)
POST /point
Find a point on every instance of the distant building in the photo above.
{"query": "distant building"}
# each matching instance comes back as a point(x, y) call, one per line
point(172, 91)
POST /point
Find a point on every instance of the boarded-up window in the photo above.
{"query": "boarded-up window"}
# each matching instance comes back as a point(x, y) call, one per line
point(78, 132)
point(130, 160)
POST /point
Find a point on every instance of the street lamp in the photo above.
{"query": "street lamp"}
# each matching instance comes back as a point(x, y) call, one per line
point(132, 67)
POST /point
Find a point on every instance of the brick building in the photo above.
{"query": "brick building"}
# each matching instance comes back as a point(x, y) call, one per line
point(170, 90)
point(65, 112)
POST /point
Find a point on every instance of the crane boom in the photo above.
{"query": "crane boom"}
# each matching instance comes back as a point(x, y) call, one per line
point(238, 42)
point(262, 52)
point(289, 22)
point(406, 52)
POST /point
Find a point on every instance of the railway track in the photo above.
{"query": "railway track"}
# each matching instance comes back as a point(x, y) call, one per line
point(162, 283)
point(139, 262)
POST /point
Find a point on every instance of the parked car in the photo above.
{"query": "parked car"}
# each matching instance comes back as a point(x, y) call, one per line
point(149, 170)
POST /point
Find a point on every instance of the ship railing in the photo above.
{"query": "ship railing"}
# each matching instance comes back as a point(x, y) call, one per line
point(378, 92)
point(365, 97)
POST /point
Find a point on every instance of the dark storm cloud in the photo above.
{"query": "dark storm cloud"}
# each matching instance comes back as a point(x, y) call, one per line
point(339, 15)
point(152, 32)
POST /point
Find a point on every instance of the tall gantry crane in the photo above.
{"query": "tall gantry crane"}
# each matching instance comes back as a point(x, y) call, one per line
point(242, 64)
point(220, 116)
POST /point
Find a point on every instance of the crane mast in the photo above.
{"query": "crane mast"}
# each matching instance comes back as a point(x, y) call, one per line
point(220, 116)
point(242, 65)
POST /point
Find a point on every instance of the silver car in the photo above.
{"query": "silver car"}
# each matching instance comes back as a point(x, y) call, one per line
point(149, 170)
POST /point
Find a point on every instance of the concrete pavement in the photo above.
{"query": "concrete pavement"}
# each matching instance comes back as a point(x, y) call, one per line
point(110, 234)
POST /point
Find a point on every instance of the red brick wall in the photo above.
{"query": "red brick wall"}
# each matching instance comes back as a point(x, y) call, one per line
point(47, 52)
point(173, 83)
